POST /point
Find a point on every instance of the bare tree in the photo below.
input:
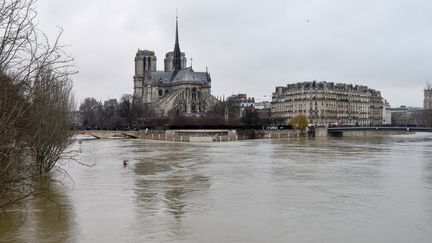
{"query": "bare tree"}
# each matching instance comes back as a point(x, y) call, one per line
point(35, 103)
point(51, 123)
point(125, 109)
point(250, 117)
point(89, 112)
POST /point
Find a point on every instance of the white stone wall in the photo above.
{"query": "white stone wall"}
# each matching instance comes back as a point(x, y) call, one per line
point(386, 114)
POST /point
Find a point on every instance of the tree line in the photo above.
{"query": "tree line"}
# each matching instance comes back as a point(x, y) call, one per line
point(420, 118)
point(127, 115)
point(109, 115)
point(35, 103)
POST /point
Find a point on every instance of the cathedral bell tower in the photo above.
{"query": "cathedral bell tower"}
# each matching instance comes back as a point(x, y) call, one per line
point(145, 62)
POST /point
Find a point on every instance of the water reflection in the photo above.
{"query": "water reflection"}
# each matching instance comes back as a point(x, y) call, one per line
point(345, 176)
point(426, 151)
point(54, 219)
point(48, 216)
point(10, 224)
point(287, 190)
point(166, 179)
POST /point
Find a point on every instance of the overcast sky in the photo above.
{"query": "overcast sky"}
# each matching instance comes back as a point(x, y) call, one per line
point(251, 46)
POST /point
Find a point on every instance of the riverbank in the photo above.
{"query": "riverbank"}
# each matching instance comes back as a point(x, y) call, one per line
point(195, 135)
point(221, 135)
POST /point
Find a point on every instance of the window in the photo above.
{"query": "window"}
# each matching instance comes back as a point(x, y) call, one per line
point(194, 93)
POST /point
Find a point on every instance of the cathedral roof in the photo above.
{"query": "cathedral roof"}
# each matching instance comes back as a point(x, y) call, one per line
point(188, 74)
point(184, 75)
point(161, 77)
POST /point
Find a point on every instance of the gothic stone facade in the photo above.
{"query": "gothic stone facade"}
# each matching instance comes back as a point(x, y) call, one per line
point(427, 103)
point(327, 103)
point(176, 90)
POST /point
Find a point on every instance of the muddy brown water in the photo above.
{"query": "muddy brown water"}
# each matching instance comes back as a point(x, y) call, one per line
point(288, 190)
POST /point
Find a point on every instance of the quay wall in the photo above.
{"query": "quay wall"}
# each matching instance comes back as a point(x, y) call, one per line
point(171, 135)
point(233, 135)
point(201, 136)
point(373, 133)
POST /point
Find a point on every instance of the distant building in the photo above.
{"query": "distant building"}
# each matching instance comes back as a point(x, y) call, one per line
point(327, 103)
point(407, 116)
point(427, 103)
point(111, 103)
point(263, 108)
point(178, 90)
point(262, 105)
point(241, 102)
point(387, 113)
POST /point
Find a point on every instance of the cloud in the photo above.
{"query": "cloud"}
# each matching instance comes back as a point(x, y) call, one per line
point(251, 46)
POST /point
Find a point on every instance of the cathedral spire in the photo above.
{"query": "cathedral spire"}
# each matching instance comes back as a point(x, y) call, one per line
point(177, 53)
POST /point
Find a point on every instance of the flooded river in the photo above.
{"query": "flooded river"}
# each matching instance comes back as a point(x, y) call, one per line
point(316, 190)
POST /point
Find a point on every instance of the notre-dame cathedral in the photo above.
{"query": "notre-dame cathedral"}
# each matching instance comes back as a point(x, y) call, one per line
point(176, 90)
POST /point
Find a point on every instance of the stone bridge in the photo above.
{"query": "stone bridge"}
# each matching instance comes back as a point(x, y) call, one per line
point(101, 134)
point(170, 135)
point(373, 131)
point(233, 135)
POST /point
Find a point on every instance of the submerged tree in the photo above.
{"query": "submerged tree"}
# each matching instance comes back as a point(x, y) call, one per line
point(51, 124)
point(35, 101)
